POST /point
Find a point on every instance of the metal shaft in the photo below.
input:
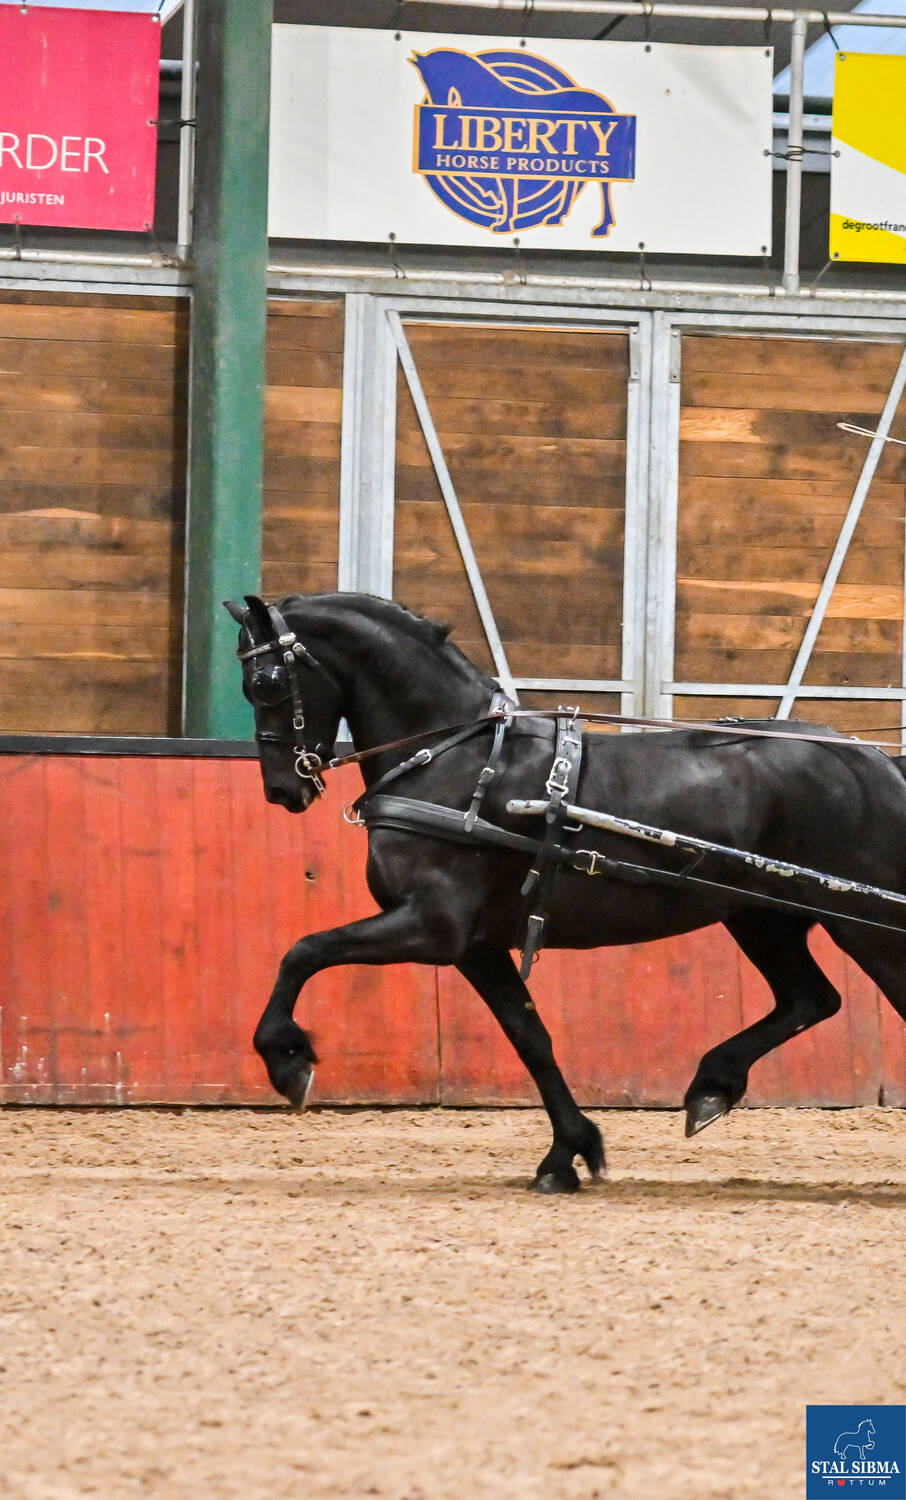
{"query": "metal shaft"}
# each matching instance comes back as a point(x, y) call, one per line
point(667, 839)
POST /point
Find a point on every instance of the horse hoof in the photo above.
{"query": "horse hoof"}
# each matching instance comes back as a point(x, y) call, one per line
point(704, 1111)
point(300, 1088)
point(556, 1182)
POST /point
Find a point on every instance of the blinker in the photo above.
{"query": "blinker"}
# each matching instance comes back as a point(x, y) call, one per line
point(270, 685)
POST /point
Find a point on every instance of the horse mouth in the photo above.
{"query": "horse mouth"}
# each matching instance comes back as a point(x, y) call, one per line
point(294, 799)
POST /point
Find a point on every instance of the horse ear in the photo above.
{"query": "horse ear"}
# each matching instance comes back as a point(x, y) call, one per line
point(236, 610)
point(257, 619)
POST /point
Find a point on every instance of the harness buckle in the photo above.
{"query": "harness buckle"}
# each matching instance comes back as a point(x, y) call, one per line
point(596, 861)
point(352, 816)
point(558, 780)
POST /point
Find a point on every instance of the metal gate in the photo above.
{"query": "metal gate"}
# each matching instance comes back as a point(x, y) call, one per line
point(650, 512)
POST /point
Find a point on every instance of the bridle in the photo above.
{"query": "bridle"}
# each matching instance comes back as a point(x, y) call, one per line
point(307, 764)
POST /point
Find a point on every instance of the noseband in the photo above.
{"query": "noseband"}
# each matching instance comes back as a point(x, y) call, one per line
point(308, 764)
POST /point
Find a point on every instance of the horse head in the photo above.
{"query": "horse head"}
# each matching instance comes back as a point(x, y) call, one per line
point(296, 700)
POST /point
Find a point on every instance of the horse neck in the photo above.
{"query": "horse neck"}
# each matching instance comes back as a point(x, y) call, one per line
point(395, 684)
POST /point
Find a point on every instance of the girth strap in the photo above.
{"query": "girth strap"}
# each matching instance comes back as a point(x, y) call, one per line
point(561, 788)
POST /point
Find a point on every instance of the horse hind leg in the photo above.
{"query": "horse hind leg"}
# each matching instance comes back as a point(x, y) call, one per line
point(881, 955)
point(803, 995)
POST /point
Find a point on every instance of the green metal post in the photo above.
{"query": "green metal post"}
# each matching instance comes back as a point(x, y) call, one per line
point(227, 374)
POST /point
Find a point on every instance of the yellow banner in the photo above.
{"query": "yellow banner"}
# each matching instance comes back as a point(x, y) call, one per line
point(868, 167)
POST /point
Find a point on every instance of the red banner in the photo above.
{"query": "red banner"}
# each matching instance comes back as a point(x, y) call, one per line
point(78, 117)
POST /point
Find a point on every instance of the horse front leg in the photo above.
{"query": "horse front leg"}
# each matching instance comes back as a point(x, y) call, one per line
point(398, 936)
point(493, 974)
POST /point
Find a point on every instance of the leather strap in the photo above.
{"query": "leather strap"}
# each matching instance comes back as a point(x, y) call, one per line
point(561, 787)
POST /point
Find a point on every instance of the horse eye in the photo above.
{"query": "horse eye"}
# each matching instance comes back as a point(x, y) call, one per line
point(270, 685)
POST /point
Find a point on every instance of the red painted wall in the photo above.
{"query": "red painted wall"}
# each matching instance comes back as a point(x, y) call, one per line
point(145, 904)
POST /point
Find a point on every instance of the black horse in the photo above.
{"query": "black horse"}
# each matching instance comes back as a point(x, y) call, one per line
point(831, 803)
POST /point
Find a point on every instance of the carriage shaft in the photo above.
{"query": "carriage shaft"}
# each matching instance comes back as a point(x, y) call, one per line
point(666, 838)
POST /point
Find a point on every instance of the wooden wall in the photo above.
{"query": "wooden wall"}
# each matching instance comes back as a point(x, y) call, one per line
point(145, 904)
point(92, 501)
point(765, 481)
point(92, 498)
point(303, 408)
point(532, 423)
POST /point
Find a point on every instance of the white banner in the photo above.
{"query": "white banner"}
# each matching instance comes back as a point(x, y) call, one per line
point(561, 145)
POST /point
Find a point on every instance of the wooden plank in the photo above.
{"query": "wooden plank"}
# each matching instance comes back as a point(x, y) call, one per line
point(519, 611)
point(544, 657)
point(27, 901)
point(279, 577)
point(305, 333)
point(785, 355)
point(732, 632)
point(107, 990)
point(99, 396)
point(208, 1032)
point(493, 487)
point(183, 978)
point(42, 529)
point(580, 458)
point(792, 526)
point(46, 641)
point(301, 476)
point(162, 467)
point(137, 1035)
point(864, 565)
point(767, 460)
point(143, 502)
point(849, 601)
point(35, 297)
point(538, 347)
point(64, 567)
point(65, 934)
point(83, 429)
point(300, 403)
point(830, 668)
point(83, 608)
point(114, 698)
point(719, 424)
point(56, 358)
point(831, 496)
point(525, 418)
point(165, 323)
point(517, 529)
point(305, 307)
point(570, 382)
point(804, 389)
point(309, 367)
point(288, 441)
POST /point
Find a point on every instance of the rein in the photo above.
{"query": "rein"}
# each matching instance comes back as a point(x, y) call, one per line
point(310, 766)
point(726, 726)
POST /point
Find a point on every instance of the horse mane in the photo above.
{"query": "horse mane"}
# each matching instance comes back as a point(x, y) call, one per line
point(432, 633)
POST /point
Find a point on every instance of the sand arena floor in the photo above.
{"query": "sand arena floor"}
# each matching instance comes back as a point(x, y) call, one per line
point(351, 1304)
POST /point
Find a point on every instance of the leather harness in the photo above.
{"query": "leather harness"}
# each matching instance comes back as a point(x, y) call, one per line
point(375, 809)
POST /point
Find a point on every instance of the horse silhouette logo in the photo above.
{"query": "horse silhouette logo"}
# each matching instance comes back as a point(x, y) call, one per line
point(862, 1440)
point(508, 141)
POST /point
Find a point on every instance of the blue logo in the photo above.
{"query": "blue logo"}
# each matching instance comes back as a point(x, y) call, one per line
point(855, 1450)
point(508, 141)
